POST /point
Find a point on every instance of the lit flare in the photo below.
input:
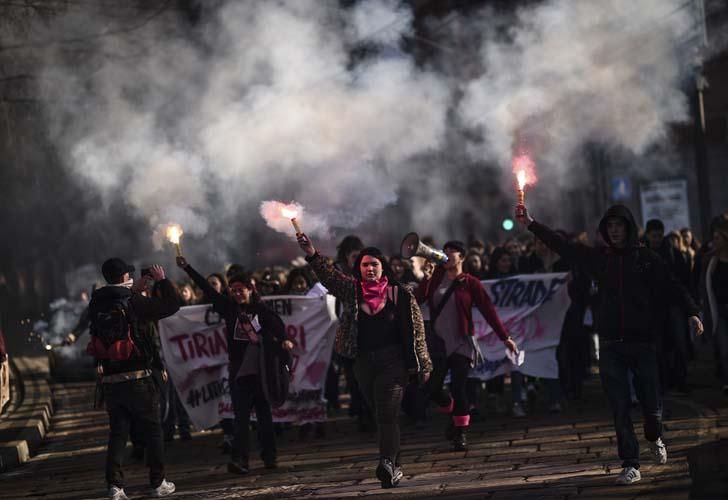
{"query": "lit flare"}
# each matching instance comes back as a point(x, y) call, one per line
point(174, 233)
point(291, 213)
point(525, 170)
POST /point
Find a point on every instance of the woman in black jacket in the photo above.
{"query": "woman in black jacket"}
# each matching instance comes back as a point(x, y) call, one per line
point(383, 332)
point(256, 378)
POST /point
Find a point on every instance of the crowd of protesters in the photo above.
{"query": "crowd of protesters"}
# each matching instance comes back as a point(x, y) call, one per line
point(698, 272)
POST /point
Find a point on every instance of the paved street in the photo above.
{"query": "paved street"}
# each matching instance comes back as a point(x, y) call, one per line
point(565, 456)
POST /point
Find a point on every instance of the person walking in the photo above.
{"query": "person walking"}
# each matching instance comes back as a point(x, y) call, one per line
point(634, 287)
point(258, 350)
point(385, 336)
point(451, 295)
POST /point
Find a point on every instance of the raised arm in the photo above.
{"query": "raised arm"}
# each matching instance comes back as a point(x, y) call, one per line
point(156, 308)
point(575, 253)
point(215, 297)
point(338, 284)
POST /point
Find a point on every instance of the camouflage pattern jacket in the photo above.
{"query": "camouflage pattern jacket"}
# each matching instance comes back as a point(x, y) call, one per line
point(346, 288)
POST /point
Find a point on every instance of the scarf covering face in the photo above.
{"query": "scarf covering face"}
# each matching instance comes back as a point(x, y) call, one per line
point(375, 293)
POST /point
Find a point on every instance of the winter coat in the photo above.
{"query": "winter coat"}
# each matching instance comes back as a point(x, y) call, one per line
point(143, 311)
point(409, 317)
point(275, 361)
point(468, 293)
point(635, 285)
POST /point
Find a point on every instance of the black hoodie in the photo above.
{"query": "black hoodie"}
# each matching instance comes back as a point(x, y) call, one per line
point(635, 285)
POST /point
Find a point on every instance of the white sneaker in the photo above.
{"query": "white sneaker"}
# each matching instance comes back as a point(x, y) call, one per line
point(164, 489)
point(658, 451)
point(629, 475)
point(518, 410)
point(116, 493)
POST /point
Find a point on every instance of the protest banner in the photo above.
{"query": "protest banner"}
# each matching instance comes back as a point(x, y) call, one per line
point(195, 351)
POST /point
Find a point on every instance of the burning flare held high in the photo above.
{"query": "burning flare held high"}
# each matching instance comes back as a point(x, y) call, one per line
point(278, 215)
point(174, 233)
point(524, 169)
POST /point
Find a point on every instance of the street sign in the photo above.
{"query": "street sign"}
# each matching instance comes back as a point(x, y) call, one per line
point(621, 188)
point(667, 201)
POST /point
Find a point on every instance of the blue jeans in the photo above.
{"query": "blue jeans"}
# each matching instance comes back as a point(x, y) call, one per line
point(616, 361)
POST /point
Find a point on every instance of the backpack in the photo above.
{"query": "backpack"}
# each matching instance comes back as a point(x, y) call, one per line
point(112, 331)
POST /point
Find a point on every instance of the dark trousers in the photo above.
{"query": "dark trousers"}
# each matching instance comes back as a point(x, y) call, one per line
point(459, 367)
point(247, 392)
point(679, 348)
point(134, 401)
point(382, 377)
point(136, 434)
point(176, 414)
point(358, 406)
point(616, 360)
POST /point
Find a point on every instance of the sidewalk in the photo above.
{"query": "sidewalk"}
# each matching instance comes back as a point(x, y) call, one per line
point(27, 419)
point(567, 456)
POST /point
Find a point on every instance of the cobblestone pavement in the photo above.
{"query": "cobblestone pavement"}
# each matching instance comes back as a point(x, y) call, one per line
point(566, 456)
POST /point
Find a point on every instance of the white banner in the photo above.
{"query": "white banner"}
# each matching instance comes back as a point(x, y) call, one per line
point(532, 308)
point(195, 351)
point(666, 201)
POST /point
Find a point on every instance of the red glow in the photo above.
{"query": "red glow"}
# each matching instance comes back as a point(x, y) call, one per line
point(525, 170)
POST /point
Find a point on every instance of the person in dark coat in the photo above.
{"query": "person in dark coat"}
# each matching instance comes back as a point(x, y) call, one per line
point(255, 377)
point(383, 332)
point(634, 287)
point(129, 389)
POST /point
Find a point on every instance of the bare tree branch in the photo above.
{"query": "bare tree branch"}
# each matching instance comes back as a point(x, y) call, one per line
point(119, 31)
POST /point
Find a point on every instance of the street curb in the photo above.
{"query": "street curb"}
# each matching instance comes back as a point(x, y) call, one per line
point(23, 429)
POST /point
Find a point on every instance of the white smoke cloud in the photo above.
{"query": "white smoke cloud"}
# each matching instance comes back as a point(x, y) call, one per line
point(569, 73)
point(189, 133)
point(266, 102)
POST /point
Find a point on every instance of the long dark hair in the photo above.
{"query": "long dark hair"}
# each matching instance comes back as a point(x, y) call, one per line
point(377, 254)
point(349, 244)
point(493, 273)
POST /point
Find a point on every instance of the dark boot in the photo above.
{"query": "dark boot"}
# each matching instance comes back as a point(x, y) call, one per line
point(459, 440)
point(388, 473)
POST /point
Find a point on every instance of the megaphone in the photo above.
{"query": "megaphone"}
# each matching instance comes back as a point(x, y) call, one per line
point(413, 247)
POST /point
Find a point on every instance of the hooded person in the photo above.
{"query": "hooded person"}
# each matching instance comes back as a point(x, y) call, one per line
point(383, 332)
point(258, 350)
point(634, 287)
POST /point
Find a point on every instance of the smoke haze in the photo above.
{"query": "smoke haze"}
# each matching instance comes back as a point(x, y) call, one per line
point(264, 100)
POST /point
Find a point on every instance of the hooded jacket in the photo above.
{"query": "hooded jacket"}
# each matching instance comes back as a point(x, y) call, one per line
point(275, 361)
point(635, 285)
point(144, 310)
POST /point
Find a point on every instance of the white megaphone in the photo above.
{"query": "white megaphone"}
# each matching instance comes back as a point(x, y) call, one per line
point(413, 247)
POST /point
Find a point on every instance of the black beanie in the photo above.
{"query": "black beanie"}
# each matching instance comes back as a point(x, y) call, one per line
point(456, 245)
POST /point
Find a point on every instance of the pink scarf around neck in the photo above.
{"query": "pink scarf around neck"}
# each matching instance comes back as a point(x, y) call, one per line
point(375, 293)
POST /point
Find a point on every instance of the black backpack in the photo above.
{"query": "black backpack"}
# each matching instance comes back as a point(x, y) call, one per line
point(112, 330)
